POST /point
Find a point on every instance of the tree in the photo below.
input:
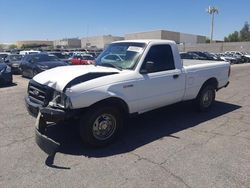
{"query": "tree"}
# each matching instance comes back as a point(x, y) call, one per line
point(12, 46)
point(207, 40)
point(243, 35)
point(233, 37)
point(245, 32)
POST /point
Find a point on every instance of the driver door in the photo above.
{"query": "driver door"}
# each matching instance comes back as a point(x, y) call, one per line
point(162, 84)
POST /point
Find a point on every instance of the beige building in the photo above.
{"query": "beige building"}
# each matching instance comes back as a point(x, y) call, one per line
point(34, 43)
point(167, 35)
point(99, 42)
point(67, 43)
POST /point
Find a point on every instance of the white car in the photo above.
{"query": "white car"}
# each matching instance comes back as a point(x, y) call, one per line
point(24, 52)
point(151, 75)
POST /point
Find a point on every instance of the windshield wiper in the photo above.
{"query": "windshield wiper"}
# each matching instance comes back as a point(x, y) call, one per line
point(111, 65)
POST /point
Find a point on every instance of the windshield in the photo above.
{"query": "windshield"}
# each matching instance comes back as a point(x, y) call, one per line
point(15, 57)
point(123, 55)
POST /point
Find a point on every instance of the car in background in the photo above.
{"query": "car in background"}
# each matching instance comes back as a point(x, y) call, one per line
point(83, 60)
point(5, 74)
point(238, 58)
point(203, 55)
point(62, 56)
point(14, 60)
point(230, 59)
point(247, 56)
point(111, 58)
point(244, 57)
point(3, 55)
point(187, 55)
point(33, 64)
point(24, 52)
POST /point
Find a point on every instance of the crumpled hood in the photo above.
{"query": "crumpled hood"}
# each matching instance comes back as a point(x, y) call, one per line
point(60, 77)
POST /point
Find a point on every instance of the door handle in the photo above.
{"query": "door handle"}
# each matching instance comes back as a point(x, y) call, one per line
point(175, 76)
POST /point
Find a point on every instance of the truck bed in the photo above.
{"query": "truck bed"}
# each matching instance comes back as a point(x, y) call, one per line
point(191, 62)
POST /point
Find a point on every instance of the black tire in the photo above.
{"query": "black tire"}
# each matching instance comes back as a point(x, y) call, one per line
point(205, 98)
point(22, 74)
point(101, 120)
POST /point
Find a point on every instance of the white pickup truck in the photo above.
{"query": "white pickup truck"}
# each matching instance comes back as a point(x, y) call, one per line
point(129, 77)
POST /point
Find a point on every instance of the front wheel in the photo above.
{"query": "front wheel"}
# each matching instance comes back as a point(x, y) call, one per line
point(100, 125)
point(205, 98)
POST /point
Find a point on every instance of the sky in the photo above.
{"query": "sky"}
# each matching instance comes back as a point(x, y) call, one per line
point(57, 19)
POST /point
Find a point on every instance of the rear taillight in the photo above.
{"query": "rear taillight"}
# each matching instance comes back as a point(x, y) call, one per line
point(229, 71)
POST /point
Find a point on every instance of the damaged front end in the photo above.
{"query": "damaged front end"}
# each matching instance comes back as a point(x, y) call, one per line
point(45, 116)
point(48, 145)
point(47, 105)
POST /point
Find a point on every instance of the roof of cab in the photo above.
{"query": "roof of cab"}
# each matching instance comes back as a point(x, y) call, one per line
point(147, 41)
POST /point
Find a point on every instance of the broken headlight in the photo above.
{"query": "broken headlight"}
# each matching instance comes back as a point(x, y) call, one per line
point(60, 100)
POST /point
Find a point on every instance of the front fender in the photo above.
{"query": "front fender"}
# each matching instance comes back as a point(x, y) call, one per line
point(88, 98)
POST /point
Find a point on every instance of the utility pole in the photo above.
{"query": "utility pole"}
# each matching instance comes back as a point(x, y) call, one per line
point(212, 10)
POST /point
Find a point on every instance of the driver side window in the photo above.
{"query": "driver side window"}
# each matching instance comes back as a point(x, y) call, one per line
point(162, 58)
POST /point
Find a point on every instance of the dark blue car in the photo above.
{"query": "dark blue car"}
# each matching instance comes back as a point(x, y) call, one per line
point(33, 64)
point(5, 74)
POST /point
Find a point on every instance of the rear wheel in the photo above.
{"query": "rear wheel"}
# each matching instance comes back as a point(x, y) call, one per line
point(205, 98)
point(101, 125)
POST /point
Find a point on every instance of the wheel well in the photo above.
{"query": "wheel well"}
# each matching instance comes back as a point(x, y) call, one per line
point(114, 101)
point(210, 81)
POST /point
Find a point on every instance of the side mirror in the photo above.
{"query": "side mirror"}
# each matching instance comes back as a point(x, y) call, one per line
point(148, 67)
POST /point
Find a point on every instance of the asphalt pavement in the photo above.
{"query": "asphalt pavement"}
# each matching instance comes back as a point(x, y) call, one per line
point(171, 147)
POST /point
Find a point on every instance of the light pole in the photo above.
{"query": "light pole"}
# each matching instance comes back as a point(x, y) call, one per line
point(211, 10)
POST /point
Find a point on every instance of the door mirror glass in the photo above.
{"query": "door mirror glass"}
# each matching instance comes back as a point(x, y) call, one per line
point(148, 67)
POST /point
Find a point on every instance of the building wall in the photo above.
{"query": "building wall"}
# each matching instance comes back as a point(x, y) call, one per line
point(144, 35)
point(68, 43)
point(201, 39)
point(170, 35)
point(99, 42)
point(167, 35)
point(188, 38)
point(216, 47)
point(31, 42)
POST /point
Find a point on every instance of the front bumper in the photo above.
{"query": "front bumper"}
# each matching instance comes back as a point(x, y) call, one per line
point(15, 70)
point(45, 115)
point(6, 78)
point(45, 143)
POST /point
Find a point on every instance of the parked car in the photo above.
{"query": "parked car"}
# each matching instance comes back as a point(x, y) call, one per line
point(62, 56)
point(245, 57)
point(5, 74)
point(151, 75)
point(238, 58)
point(33, 64)
point(14, 61)
point(83, 60)
point(230, 59)
point(204, 56)
point(24, 52)
point(111, 58)
point(187, 55)
point(3, 55)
